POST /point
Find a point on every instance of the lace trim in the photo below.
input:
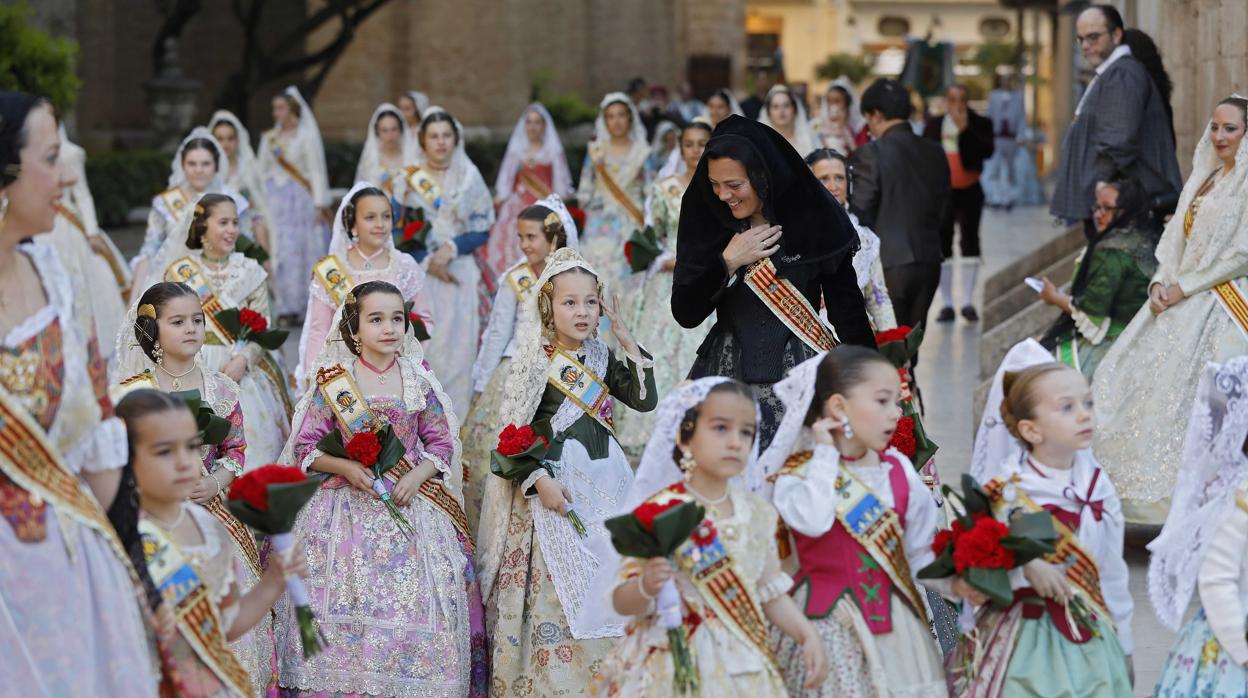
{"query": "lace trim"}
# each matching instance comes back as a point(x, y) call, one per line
point(531, 481)
point(1087, 327)
point(640, 365)
point(306, 463)
point(774, 588)
point(231, 465)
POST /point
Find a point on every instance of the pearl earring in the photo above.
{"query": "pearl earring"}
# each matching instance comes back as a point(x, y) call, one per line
point(687, 464)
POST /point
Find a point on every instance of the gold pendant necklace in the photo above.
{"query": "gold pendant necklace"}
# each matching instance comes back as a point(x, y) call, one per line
point(177, 378)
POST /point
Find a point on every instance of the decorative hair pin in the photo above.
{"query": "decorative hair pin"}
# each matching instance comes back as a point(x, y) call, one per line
point(351, 298)
point(199, 209)
point(147, 310)
point(552, 219)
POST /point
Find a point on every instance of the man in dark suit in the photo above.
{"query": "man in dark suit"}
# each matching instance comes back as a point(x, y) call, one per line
point(901, 188)
point(966, 138)
point(1120, 128)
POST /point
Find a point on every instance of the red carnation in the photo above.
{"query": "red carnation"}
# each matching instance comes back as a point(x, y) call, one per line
point(628, 252)
point(513, 441)
point(411, 230)
point(253, 487)
point(903, 437)
point(894, 335)
point(704, 534)
point(252, 320)
point(943, 540)
point(981, 547)
point(648, 512)
point(363, 448)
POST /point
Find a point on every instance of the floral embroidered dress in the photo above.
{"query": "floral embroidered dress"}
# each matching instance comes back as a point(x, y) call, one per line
point(731, 660)
point(402, 617)
point(651, 316)
point(71, 616)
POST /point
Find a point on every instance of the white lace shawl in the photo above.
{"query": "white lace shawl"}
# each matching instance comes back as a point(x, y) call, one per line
point(518, 149)
point(804, 137)
point(87, 440)
point(177, 176)
point(370, 166)
point(868, 251)
point(856, 120)
point(994, 447)
point(418, 381)
point(1214, 466)
point(796, 391)
point(1218, 233)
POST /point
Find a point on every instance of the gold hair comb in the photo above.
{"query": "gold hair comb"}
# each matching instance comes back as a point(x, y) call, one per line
point(147, 310)
point(351, 298)
point(199, 209)
point(552, 219)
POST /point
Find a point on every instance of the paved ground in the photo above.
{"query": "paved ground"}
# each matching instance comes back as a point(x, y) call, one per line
point(949, 373)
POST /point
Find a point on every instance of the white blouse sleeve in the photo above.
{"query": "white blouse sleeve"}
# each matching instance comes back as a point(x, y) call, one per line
point(922, 520)
point(497, 335)
point(1220, 580)
point(806, 502)
point(1113, 567)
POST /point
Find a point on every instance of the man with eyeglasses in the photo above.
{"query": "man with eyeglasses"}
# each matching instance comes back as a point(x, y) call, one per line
point(1120, 127)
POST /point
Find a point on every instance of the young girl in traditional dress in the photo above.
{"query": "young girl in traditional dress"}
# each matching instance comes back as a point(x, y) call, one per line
point(292, 160)
point(542, 228)
point(535, 566)
point(533, 168)
point(362, 249)
point(1203, 545)
point(1047, 408)
point(703, 442)
point(202, 254)
point(448, 187)
point(830, 462)
point(166, 334)
point(241, 174)
point(613, 185)
point(401, 610)
point(186, 550)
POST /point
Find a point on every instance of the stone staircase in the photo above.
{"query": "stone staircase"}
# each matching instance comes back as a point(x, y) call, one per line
point(1013, 311)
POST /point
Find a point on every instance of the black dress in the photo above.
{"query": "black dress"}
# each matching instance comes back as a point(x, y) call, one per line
point(748, 342)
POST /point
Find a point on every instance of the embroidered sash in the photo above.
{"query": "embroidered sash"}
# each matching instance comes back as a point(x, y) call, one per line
point(280, 156)
point(533, 183)
point(425, 186)
point(114, 266)
point(354, 415)
point(199, 621)
point(673, 190)
point(623, 199)
point(878, 529)
point(716, 577)
point(580, 385)
point(187, 271)
point(789, 306)
point(1070, 555)
point(522, 279)
point(30, 460)
point(332, 274)
point(175, 201)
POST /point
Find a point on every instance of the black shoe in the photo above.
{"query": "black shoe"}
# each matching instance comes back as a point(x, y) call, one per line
point(968, 312)
point(946, 315)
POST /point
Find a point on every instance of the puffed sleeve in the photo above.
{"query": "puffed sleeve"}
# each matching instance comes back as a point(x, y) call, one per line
point(1113, 567)
point(434, 430)
point(317, 422)
point(773, 582)
point(104, 447)
point(806, 496)
point(922, 520)
point(1221, 579)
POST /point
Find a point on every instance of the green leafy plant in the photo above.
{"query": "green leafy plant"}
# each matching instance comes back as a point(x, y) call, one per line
point(123, 180)
point(33, 62)
point(834, 66)
point(566, 108)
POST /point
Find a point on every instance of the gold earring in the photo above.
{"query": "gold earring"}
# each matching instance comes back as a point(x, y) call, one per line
point(687, 463)
point(359, 348)
point(158, 353)
point(4, 206)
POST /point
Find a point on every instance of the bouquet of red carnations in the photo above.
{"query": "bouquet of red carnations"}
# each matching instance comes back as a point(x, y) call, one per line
point(418, 324)
point(378, 451)
point(642, 249)
point(657, 528)
point(521, 451)
point(246, 325)
point(414, 235)
point(899, 346)
point(269, 499)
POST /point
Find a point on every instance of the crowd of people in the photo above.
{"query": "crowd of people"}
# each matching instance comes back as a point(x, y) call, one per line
point(711, 338)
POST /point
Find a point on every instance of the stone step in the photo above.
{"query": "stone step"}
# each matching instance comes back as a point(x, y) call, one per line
point(1005, 295)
